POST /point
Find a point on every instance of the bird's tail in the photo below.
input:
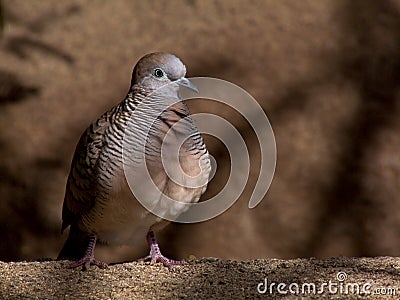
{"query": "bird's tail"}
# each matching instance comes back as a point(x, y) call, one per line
point(76, 244)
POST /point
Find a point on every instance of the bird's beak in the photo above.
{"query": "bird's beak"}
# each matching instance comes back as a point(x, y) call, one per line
point(187, 83)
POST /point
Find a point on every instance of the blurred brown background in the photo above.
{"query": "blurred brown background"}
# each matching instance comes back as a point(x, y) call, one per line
point(327, 74)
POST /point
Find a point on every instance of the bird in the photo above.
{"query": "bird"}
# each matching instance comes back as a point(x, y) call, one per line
point(99, 204)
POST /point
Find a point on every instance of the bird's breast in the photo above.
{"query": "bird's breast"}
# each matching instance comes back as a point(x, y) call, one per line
point(117, 216)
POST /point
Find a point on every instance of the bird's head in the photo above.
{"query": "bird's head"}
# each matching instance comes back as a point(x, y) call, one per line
point(159, 69)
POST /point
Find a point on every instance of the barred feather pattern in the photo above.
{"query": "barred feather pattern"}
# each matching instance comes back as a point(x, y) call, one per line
point(98, 199)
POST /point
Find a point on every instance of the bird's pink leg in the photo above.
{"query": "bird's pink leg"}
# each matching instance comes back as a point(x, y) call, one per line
point(88, 259)
point(156, 256)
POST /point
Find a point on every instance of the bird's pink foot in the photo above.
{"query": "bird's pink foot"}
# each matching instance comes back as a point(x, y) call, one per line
point(86, 262)
point(156, 256)
point(88, 259)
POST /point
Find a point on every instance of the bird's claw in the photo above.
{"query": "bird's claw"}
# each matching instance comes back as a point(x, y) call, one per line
point(86, 262)
point(159, 258)
point(156, 256)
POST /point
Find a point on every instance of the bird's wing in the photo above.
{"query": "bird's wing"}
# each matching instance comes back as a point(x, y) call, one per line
point(81, 186)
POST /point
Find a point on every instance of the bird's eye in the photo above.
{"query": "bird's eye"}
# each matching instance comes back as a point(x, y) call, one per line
point(158, 73)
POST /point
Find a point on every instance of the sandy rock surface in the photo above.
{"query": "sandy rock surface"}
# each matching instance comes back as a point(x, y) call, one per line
point(205, 279)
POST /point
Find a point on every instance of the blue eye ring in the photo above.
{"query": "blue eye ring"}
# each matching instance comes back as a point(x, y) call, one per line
point(158, 73)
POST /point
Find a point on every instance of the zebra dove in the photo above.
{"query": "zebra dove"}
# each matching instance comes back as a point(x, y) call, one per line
point(98, 203)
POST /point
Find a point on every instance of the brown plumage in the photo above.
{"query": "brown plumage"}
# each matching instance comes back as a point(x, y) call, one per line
point(98, 203)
